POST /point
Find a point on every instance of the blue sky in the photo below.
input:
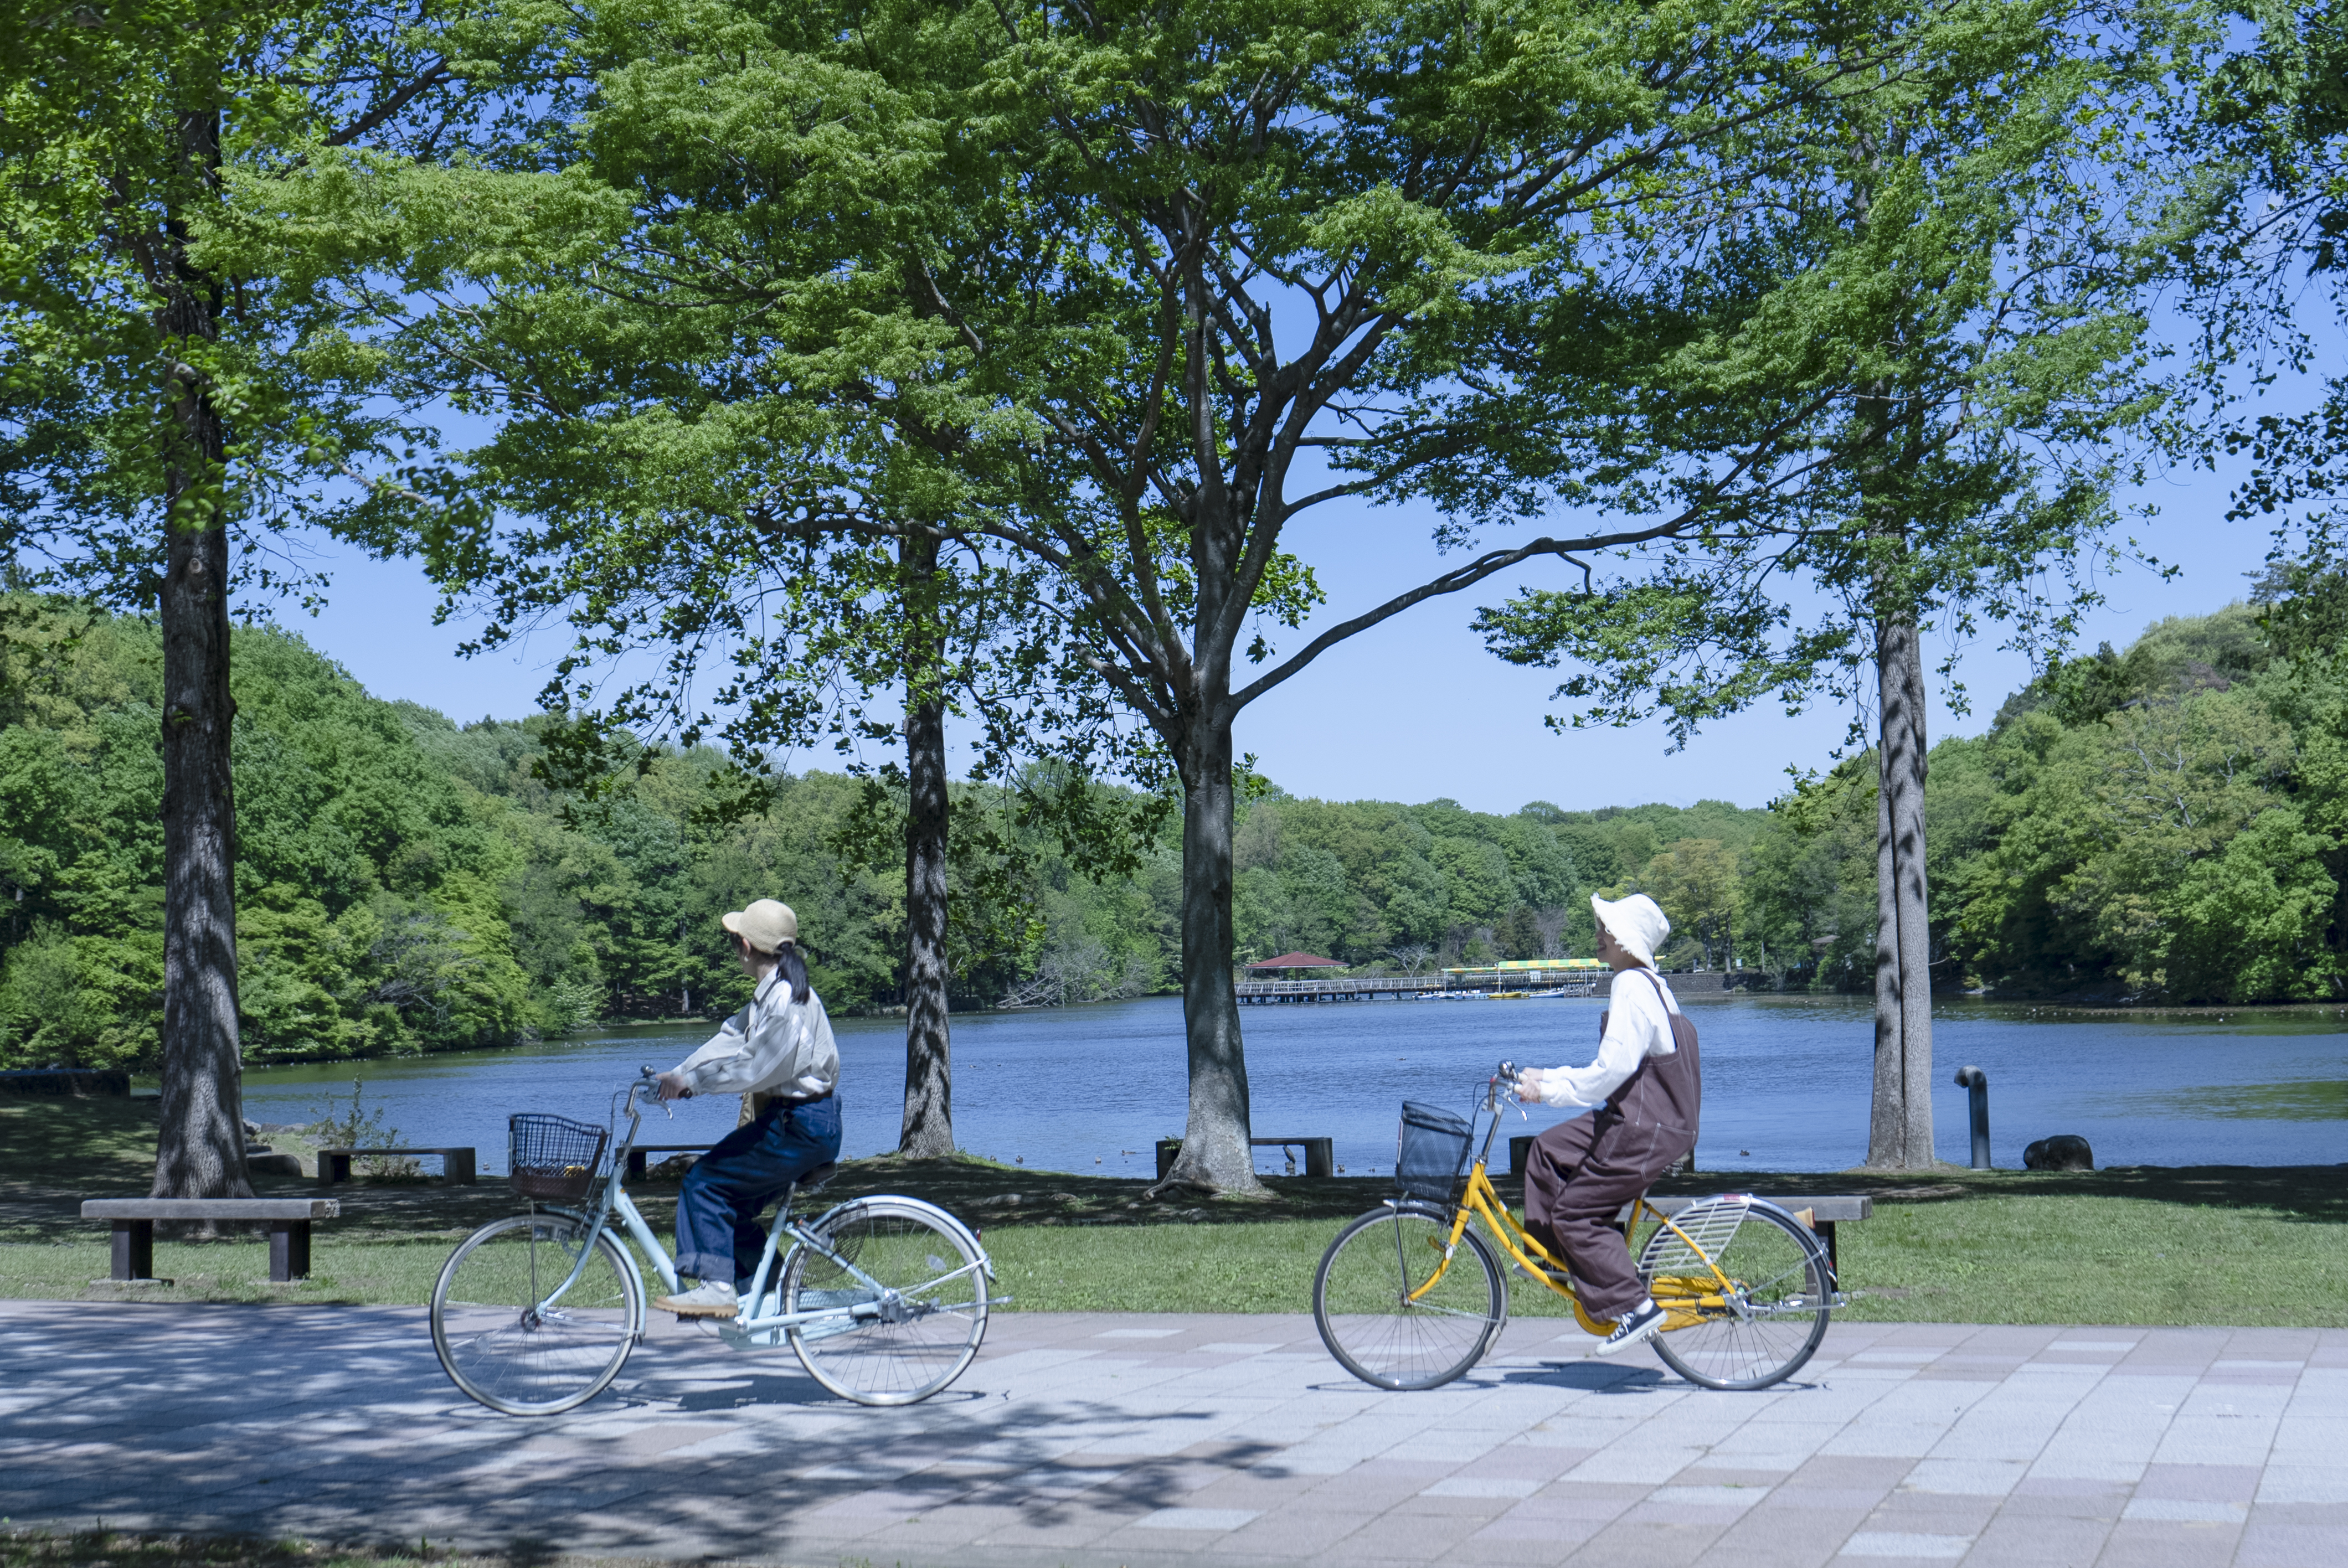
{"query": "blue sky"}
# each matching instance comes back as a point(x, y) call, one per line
point(1412, 710)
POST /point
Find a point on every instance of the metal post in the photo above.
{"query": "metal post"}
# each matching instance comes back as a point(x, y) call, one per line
point(1976, 1081)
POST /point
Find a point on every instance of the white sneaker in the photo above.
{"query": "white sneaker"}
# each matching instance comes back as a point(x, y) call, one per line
point(710, 1298)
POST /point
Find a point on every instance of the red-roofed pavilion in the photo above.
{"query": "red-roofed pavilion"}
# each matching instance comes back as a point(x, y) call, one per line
point(1291, 962)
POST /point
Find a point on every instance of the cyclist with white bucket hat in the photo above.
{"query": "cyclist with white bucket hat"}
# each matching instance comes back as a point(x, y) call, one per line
point(1643, 1093)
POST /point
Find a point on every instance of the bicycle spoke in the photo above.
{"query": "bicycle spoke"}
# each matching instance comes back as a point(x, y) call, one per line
point(1781, 1298)
point(503, 1345)
point(896, 1255)
point(1362, 1299)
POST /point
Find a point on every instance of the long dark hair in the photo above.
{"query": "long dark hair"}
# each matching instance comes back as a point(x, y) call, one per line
point(794, 968)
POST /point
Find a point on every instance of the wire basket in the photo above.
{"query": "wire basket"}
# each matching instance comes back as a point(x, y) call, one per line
point(1430, 1152)
point(552, 1157)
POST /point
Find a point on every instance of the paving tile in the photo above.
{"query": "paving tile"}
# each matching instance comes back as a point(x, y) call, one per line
point(2266, 1545)
point(1209, 1519)
point(1775, 1541)
point(1288, 1534)
point(1914, 1546)
point(1976, 1478)
point(1511, 1540)
point(1648, 1543)
point(2304, 1483)
point(2013, 1542)
point(2135, 1543)
point(1480, 1485)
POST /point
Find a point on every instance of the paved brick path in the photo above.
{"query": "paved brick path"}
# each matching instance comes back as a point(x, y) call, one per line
point(1148, 1440)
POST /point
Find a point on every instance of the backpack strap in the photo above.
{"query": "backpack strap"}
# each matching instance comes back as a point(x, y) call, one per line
point(1663, 996)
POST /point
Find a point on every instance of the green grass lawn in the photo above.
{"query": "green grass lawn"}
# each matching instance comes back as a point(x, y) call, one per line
point(2248, 1245)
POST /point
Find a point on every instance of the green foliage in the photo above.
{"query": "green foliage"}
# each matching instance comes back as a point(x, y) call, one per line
point(1958, 372)
point(1371, 882)
point(408, 883)
point(2163, 823)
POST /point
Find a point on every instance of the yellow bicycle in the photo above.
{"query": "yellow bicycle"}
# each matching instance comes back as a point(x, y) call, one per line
point(1409, 1296)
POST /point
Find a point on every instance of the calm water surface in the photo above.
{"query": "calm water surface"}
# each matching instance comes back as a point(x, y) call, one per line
point(1785, 1081)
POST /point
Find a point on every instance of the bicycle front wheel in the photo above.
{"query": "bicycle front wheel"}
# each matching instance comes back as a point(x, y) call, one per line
point(1380, 1317)
point(1767, 1324)
point(502, 1341)
point(916, 1280)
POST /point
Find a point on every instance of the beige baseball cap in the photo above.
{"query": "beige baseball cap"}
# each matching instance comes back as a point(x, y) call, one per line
point(766, 924)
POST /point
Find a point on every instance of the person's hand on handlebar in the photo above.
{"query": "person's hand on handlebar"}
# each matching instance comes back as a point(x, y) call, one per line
point(671, 1086)
point(1526, 1086)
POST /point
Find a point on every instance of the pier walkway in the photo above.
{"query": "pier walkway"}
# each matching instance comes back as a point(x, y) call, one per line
point(1385, 987)
point(1412, 988)
point(1157, 1440)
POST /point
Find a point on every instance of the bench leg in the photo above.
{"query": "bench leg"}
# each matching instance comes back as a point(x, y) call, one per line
point(635, 1164)
point(289, 1250)
point(333, 1168)
point(458, 1168)
point(1319, 1157)
point(134, 1249)
point(1825, 1229)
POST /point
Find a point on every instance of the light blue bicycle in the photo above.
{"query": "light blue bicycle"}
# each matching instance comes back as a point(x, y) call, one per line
point(884, 1298)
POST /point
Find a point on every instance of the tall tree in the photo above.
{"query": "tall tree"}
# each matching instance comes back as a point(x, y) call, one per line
point(156, 428)
point(1972, 343)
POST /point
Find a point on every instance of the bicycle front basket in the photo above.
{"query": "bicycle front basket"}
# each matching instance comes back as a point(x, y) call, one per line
point(1430, 1152)
point(552, 1157)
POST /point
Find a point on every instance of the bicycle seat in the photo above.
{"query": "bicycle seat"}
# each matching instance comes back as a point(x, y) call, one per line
point(815, 1178)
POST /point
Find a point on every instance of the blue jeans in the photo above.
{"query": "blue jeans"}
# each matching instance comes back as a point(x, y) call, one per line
point(718, 1236)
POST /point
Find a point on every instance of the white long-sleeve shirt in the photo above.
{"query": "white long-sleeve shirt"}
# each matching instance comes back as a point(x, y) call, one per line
point(774, 1046)
point(1638, 1026)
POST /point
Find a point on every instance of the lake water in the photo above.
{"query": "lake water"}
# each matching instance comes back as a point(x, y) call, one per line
point(1785, 1081)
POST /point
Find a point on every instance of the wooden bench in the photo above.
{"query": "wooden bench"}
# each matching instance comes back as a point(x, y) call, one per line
point(636, 1155)
point(1320, 1154)
point(288, 1220)
point(334, 1164)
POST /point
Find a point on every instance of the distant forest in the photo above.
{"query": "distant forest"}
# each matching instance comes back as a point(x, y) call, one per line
point(2163, 822)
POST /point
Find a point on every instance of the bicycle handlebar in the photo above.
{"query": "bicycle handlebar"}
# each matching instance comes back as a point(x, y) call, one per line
point(645, 1077)
point(1505, 1074)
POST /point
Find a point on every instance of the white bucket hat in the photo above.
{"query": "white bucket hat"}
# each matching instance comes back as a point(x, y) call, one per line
point(766, 924)
point(1637, 922)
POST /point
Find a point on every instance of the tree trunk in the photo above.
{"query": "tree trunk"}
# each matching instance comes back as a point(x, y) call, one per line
point(1899, 1126)
point(199, 1153)
point(1215, 1154)
point(929, 1102)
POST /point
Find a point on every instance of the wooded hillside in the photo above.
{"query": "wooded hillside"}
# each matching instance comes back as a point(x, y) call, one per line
point(2166, 821)
point(405, 883)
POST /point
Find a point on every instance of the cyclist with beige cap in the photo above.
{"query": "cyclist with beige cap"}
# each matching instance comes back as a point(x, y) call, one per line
point(779, 1047)
point(1644, 1090)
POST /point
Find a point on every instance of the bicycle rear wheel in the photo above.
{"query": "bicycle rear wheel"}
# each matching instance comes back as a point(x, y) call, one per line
point(501, 1345)
point(1762, 1330)
point(1362, 1304)
point(920, 1280)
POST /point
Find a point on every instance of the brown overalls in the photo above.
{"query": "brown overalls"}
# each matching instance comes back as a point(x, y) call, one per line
point(1580, 1172)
